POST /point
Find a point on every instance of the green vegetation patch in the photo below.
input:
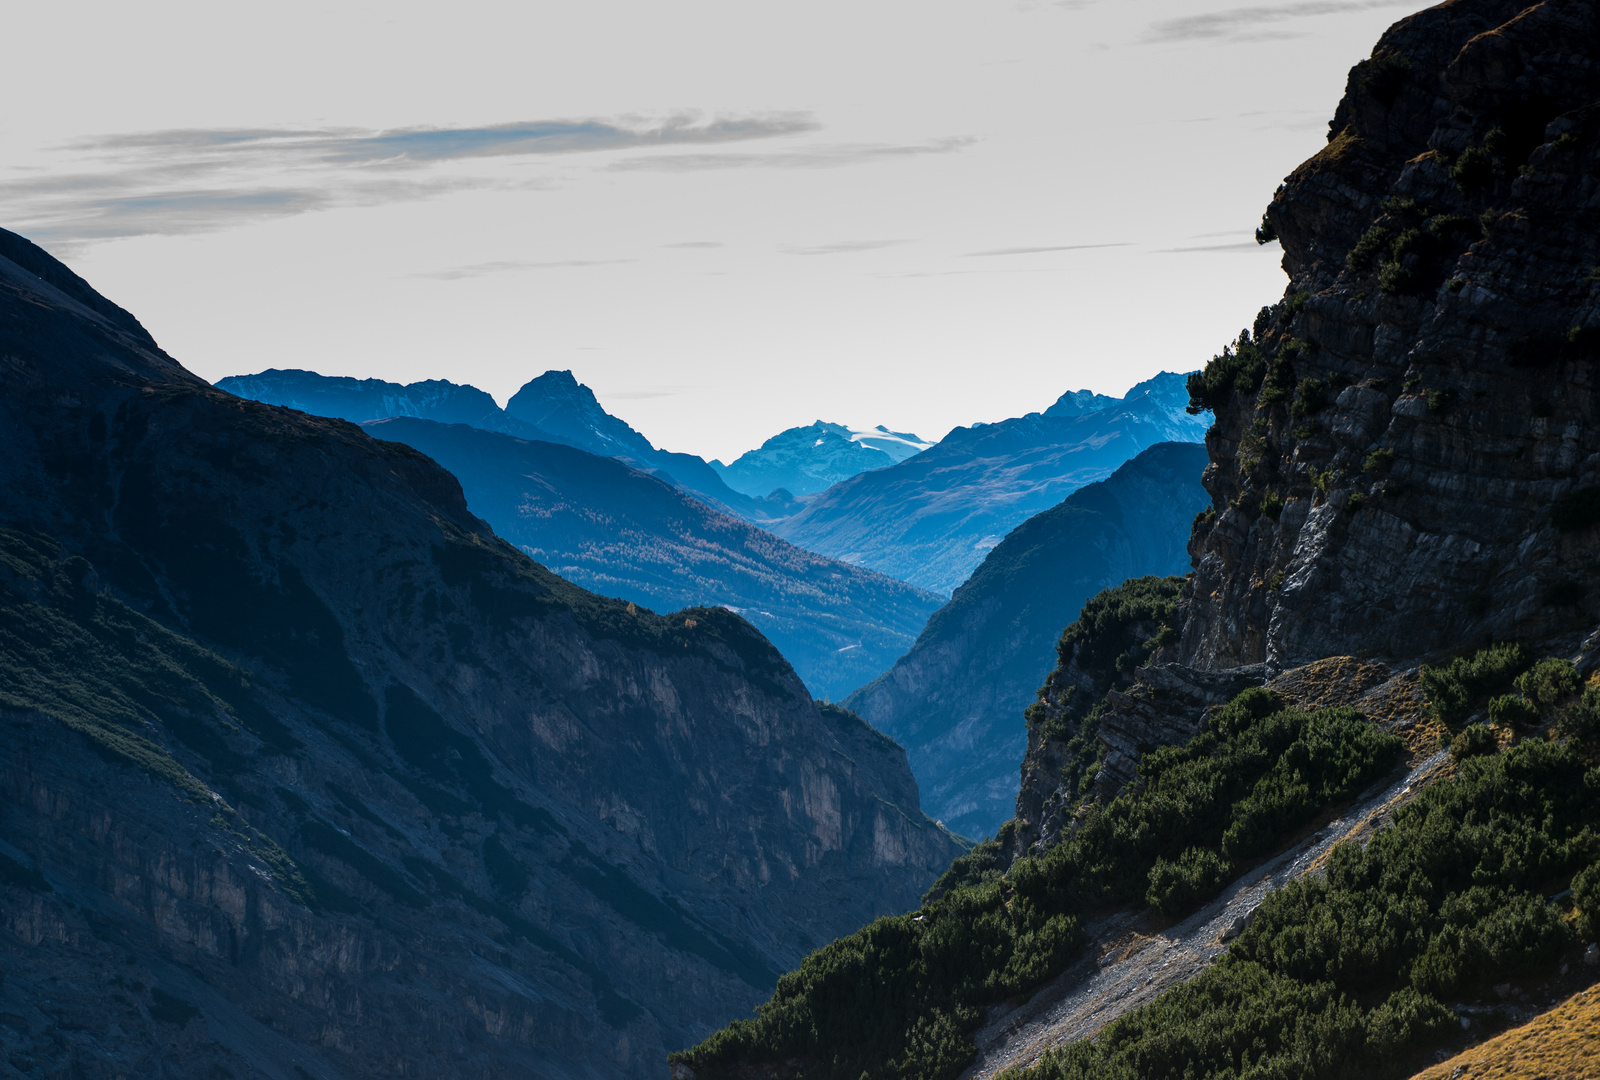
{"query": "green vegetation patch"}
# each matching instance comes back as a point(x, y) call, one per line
point(1381, 77)
point(1121, 626)
point(1410, 245)
point(1238, 369)
point(1345, 975)
point(1467, 682)
point(901, 997)
point(1116, 632)
point(76, 654)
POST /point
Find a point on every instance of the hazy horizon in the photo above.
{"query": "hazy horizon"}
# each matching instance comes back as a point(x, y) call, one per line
point(727, 221)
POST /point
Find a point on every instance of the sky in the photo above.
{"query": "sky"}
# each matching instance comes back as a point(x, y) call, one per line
point(727, 218)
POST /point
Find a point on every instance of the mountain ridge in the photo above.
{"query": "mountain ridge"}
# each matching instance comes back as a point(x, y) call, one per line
point(956, 699)
point(569, 410)
point(931, 519)
point(609, 528)
point(308, 772)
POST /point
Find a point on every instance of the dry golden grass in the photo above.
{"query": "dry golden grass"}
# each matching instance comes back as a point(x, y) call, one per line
point(1393, 702)
point(1563, 1044)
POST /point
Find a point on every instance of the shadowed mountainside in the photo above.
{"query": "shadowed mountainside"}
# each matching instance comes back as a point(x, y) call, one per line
point(619, 532)
point(304, 772)
point(956, 700)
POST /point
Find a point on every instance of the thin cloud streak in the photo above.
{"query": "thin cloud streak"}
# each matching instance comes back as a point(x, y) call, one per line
point(423, 145)
point(642, 395)
point(194, 180)
point(844, 247)
point(1241, 23)
point(456, 273)
point(812, 157)
point(1042, 250)
point(1243, 245)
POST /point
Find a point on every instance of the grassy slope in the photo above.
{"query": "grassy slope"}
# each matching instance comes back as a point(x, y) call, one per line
point(1563, 1044)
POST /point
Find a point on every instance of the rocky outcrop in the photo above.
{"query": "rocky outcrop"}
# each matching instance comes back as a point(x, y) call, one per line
point(956, 699)
point(1167, 705)
point(304, 772)
point(1405, 449)
point(1405, 456)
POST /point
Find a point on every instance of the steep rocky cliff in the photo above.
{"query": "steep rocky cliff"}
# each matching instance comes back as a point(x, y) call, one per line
point(1404, 453)
point(956, 700)
point(304, 772)
point(1402, 468)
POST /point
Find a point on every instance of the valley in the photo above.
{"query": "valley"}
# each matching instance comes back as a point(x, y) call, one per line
point(1243, 725)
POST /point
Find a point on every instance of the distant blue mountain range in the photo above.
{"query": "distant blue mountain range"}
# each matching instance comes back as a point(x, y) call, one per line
point(807, 460)
point(932, 518)
point(555, 407)
point(955, 701)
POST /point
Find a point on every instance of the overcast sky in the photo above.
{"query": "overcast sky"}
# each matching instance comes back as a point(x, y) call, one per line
point(727, 218)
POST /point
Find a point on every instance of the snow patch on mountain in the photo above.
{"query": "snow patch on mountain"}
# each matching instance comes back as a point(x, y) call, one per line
point(806, 460)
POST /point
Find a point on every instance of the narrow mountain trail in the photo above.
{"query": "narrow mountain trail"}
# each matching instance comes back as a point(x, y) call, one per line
point(1127, 966)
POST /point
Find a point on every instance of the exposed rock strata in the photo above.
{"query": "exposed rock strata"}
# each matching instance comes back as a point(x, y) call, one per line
point(1456, 357)
point(1166, 705)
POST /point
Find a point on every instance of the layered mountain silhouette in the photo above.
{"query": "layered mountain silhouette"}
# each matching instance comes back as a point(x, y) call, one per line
point(956, 700)
point(554, 407)
point(304, 772)
point(931, 519)
point(610, 528)
point(810, 459)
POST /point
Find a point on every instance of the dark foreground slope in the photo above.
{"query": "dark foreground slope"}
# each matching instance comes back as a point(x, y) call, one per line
point(304, 772)
point(956, 700)
point(618, 532)
point(1403, 467)
point(930, 520)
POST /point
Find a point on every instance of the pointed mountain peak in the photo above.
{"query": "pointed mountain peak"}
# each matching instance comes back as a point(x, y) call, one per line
point(557, 402)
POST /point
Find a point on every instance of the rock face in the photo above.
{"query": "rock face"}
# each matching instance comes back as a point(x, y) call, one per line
point(956, 700)
point(1405, 453)
point(930, 520)
point(1405, 456)
point(304, 772)
point(806, 460)
point(1165, 706)
point(614, 530)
